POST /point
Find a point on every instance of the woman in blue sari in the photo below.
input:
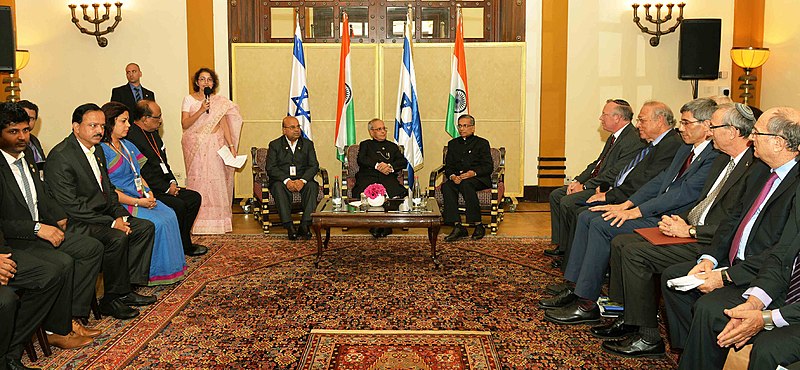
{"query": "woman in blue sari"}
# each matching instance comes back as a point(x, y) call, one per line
point(123, 161)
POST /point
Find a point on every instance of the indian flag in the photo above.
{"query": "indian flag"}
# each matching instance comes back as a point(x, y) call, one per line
point(458, 103)
point(345, 116)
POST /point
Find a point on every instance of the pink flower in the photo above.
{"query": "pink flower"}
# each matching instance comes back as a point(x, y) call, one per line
point(375, 190)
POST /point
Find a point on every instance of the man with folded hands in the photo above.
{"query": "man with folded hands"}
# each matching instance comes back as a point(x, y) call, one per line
point(635, 261)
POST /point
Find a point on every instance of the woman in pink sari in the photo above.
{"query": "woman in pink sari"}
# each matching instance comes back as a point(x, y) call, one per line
point(210, 123)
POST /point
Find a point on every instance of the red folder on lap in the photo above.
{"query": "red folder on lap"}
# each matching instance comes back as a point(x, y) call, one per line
point(655, 237)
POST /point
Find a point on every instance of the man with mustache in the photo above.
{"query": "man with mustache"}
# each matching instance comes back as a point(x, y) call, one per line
point(79, 181)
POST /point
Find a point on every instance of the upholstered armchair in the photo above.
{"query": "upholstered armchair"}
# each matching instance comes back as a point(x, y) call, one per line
point(264, 203)
point(490, 199)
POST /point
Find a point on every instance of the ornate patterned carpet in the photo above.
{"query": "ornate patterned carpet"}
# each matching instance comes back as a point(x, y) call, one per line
point(253, 301)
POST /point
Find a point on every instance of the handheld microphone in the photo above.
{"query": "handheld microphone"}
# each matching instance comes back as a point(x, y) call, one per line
point(207, 92)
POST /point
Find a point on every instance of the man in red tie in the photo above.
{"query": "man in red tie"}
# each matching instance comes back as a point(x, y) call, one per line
point(742, 246)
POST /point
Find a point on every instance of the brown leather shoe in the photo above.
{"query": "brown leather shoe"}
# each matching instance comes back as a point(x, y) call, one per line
point(81, 330)
point(69, 341)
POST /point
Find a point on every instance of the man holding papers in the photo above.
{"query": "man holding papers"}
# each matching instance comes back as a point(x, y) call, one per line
point(291, 166)
point(156, 171)
point(635, 260)
point(742, 244)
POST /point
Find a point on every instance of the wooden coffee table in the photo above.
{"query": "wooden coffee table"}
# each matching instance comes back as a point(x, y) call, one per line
point(327, 216)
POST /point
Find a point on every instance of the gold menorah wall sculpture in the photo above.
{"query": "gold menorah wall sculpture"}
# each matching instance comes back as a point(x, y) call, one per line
point(97, 20)
point(658, 21)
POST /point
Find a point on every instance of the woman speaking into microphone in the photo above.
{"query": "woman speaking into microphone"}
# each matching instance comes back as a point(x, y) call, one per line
point(210, 121)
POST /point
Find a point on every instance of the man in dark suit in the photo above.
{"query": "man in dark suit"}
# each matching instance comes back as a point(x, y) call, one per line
point(41, 282)
point(36, 147)
point(635, 261)
point(79, 182)
point(621, 147)
point(34, 223)
point(672, 191)
point(468, 167)
point(133, 91)
point(655, 124)
point(158, 174)
point(291, 165)
point(379, 161)
point(744, 244)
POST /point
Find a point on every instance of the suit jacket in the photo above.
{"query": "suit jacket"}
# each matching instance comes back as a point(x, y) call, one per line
point(17, 219)
point(38, 145)
point(151, 145)
point(657, 160)
point(75, 188)
point(625, 148)
point(731, 192)
point(766, 231)
point(472, 153)
point(662, 195)
point(124, 95)
point(280, 158)
point(372, 152)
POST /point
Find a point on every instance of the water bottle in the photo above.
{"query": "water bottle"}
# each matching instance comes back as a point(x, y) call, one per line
point(416, 195)
point(337, 193)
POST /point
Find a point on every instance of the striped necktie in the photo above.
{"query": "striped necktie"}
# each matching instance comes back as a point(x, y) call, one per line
point(27, 187)
point(606, 149)
point(624, 173)
point(793, 294)
point(697, 211)
point(138, 93)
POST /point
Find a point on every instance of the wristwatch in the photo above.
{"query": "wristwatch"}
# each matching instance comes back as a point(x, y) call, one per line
point(693, 231)
point(36, 228)
point(767, 316)
point(726, 279)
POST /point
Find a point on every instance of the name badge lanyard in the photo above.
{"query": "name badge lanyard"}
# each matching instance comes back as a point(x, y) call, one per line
point(137, 179)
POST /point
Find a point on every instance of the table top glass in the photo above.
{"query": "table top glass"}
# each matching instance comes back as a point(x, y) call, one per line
point(326, 206)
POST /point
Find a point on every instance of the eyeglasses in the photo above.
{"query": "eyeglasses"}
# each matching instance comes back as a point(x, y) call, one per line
point(641, 120)
point(686, 121)
point(718, 126)
point(756, 133)
point(205, 79)
point(465, 126)
point(379, 129)
point(155, 117)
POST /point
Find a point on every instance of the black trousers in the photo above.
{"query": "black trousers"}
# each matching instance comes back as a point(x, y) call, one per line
point(80, 257)
point(469, 191)
point(39, 283)
point(186, 206)
point(126, 258)
point(563, 214)
point(779, 346)
point(634, 261)
point(283, 200)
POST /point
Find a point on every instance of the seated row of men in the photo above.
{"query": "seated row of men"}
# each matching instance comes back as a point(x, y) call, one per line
point(734, 200)
point(293, 164)
point(63, 225)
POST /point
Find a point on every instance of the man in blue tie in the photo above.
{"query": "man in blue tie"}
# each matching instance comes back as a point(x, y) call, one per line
point(133, 91)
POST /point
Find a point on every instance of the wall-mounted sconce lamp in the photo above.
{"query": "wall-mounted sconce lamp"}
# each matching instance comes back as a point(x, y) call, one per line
point(97, 20)
point(748, 58)
point(22, 56)
point(657, 20)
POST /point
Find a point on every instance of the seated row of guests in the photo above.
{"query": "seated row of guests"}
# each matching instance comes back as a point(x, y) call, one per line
point(293, 164)
point(743, 213)
point(93, 212)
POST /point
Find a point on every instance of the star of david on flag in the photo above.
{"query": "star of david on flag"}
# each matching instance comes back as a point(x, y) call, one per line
point(298, 91)
point(407, 123)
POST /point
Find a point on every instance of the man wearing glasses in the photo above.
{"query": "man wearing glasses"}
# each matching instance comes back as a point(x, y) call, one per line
point(468, 168)
point(36, 147)
point(158, 174)
point(379, 161)
point(621, 146)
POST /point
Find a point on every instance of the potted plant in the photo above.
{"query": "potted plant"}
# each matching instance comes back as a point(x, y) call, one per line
point(376, 195)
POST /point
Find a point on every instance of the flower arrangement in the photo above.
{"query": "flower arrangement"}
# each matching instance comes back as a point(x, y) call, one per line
point(375, 190)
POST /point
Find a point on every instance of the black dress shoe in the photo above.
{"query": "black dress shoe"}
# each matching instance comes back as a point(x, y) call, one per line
point(555, 252)
point(563, 298)
point(195, 250)
point(135, 299)
point(479, 232)
point(386, 231)
point(16, 365)
point(459, 232)
point(556, 263)
point(615, 330)
point(580, 311)
point(290, 233)
point(634, 346)
point(555, 289)
point(375, 231)
point(118, 310)
point(303, 232)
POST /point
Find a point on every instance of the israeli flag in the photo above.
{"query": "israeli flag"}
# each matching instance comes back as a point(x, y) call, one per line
point(298, 91)
point(407, 123)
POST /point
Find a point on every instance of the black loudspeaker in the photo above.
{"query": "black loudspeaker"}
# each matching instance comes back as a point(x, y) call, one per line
point(7, 48)
point(698, 49)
